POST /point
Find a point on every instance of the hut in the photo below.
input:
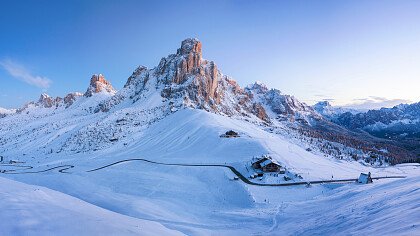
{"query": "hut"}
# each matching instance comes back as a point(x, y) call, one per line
point(364, 178)
point(230, 134)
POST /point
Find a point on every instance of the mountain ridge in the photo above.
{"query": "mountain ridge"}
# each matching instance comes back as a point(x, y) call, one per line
point(186, 80)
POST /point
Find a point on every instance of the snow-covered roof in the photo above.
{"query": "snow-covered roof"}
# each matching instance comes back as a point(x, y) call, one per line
point(266, 162)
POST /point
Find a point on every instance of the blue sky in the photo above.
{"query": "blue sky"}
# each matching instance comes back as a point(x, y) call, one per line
point(359, 53)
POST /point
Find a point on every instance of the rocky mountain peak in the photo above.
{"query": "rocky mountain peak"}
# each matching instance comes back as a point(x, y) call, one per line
point(190, 45)
point(185, 79)
point(257, 87)
point(98, 84)
point(45, 100)
point(43, 97)
point(137, 72)
point(187, 65)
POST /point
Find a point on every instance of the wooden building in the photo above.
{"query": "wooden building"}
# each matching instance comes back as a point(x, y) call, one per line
point(270, 166)
point(266, 164)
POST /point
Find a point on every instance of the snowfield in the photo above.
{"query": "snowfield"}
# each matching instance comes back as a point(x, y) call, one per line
point(34, 210)
point(205, 200)
point(389, 208)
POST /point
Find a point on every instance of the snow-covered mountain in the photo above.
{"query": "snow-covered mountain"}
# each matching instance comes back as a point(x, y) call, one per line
point(331, 112)
point(103, 117)
point(154, 151)
point(400, 123)
point(403, 119)
point(185, 79)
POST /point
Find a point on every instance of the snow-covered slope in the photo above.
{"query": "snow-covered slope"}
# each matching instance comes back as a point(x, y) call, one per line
point(207, 200)
point(34, 210)
point(380, 209)
point(117, 150)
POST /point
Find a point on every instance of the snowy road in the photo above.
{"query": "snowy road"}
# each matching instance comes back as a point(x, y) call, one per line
point(64, 168)
point(61, 169)
point(238, 174)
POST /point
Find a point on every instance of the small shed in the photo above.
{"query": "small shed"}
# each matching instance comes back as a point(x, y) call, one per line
point(364, 178)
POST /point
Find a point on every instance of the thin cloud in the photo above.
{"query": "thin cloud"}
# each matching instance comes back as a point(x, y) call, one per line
point(374, 102)
point(19, 72)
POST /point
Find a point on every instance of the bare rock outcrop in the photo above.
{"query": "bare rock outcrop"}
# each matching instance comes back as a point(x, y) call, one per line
point(70, 98)
point(46, 101)
point(99, 84)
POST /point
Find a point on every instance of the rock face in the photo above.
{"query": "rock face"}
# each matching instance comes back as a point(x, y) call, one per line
point(46, 101)
point(99, 84)
point(70, 98)
point(188, 64)
point(186, 79)
point(284, 107)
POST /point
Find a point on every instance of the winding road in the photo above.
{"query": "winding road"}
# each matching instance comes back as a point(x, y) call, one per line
point(61, 169)
point(64, 168)
point(237, 173)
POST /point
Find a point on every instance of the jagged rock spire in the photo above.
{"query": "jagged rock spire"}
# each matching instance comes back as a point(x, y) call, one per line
point(45, 100)
point(98, 84)
point(190, 45)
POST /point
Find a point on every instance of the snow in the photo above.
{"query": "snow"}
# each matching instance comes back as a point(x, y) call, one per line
point(205, 200)
point(386, 208)
point(6, 111)
point(33, 210)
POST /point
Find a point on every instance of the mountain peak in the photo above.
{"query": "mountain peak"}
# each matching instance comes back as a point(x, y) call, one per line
point(98, 84)
point(43, 97)
point(45, 100)
point(190, 45)
point(258, 87)
point(323, 104)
